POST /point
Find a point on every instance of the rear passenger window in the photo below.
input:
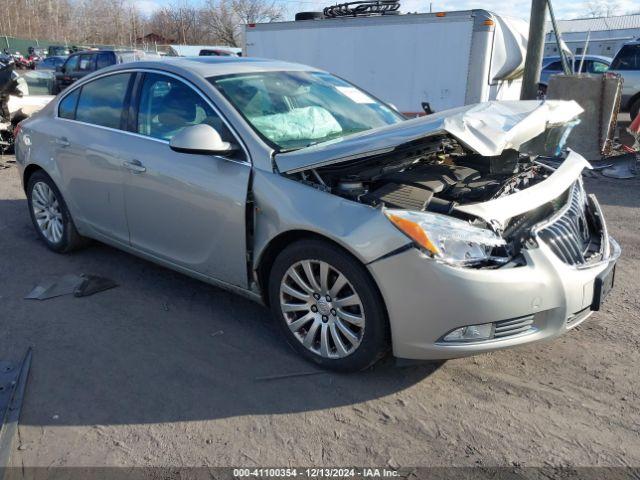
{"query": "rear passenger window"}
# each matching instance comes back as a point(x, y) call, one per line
point(102, 101)
point(628, 58)
point(104, 60)
point(554, 67)
point(67, 107)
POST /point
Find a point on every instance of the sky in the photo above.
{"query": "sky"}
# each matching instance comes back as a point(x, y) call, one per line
point(518, 8)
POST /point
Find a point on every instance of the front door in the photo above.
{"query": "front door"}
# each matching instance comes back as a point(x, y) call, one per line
point(187, 209)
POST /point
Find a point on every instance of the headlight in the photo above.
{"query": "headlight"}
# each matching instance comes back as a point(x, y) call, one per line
point(447, 239)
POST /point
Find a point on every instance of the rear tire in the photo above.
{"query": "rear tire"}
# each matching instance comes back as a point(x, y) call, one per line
point(50, 215)
point(328, 307)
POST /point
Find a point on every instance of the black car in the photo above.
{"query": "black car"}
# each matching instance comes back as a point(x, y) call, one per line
point(83, 63)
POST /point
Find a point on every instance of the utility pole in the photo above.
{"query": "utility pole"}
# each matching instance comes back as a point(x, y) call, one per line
point(535, 45)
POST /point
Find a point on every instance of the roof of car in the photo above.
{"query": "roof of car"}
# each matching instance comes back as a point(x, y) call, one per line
point(218, 66)
point(602, 58)
point(100, 50)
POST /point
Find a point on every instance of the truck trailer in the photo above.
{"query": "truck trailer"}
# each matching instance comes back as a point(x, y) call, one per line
point(412, 61)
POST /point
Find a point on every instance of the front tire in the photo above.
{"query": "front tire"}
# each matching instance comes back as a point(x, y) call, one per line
point(50, 215)
point(328, 307)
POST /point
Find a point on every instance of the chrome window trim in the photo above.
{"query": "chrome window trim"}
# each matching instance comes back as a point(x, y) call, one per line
point(209, 102)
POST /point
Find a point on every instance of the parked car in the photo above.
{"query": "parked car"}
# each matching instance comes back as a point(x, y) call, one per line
point(50, 63)
point(58, 51)
point(85, 62)
point(220, 52)
point(437, 237)
point(627, 63)
point(553, 65)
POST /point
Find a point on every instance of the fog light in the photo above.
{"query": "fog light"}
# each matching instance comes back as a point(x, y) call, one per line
point(470, 333)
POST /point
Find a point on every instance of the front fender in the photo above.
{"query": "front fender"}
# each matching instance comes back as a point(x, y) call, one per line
point(283, 204)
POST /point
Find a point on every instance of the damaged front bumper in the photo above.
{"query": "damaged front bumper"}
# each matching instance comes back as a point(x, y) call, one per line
point(539, 300)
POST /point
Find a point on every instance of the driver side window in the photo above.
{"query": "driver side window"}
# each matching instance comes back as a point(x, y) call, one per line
point(168, 105)
point(72, 64)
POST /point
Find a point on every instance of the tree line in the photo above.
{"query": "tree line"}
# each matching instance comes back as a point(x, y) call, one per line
point(121, 22)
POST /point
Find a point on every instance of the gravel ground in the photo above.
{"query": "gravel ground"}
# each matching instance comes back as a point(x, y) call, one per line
point(168, 371)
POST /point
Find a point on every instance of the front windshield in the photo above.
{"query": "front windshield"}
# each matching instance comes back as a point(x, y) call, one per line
point(292, 110)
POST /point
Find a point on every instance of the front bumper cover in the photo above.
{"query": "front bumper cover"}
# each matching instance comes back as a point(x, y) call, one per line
point(426, 299)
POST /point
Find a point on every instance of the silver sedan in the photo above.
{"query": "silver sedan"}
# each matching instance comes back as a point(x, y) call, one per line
point(435, 237)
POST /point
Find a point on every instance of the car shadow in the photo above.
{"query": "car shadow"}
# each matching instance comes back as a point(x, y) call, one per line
point(161, 347)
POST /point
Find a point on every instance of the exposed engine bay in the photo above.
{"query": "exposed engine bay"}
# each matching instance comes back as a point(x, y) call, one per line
point(433, 175)
point(437, 175)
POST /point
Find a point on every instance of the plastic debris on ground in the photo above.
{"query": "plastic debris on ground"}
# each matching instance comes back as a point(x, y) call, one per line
point(81, 285)
point(625, 167)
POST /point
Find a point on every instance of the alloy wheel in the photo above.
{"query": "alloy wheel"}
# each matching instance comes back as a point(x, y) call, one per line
point(47, 212)
point(322, 308)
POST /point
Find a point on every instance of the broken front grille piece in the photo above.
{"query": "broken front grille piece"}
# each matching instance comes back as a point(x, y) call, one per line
point(571, 234)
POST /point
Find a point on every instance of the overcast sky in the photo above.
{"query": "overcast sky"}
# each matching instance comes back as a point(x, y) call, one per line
point(517, 8)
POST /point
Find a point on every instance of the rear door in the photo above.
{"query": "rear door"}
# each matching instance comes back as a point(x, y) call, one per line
point(105, 59)
point(89, 143)
point(186, 209)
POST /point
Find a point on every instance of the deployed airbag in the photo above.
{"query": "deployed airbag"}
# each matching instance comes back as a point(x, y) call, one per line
point(299, 123)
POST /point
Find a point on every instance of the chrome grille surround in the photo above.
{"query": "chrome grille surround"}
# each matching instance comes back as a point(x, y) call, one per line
point(572, 232)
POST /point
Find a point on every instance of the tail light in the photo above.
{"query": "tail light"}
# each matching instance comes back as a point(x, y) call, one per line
point(16, 130)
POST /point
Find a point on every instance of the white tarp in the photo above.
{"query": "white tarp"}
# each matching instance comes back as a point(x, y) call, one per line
point(29, 104)
point(510, 48)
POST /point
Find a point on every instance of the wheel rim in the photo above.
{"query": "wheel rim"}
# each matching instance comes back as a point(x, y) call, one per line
point(322, 309)
point(47, 212)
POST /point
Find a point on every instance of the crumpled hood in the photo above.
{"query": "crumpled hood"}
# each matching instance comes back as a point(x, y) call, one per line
point(487, 128)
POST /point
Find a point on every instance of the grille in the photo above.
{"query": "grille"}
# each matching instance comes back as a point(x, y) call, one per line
point(569, 232)
point(507, 328)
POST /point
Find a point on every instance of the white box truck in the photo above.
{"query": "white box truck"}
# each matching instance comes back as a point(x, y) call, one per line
point(447, 59)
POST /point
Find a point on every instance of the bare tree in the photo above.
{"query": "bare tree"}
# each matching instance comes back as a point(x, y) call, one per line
point(225, 18)
point(119, 22)
point(602, 8)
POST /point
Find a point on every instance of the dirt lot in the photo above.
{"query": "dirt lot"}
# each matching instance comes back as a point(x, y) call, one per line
point(167, 371)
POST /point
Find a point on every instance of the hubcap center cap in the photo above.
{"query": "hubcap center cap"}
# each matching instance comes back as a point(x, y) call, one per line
point(324, 307)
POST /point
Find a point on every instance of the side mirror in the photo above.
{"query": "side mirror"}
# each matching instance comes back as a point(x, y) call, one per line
point(426, 106)
point(60, 69)
point(200, 139)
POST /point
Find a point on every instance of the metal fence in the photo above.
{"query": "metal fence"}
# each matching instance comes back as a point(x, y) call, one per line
point(21, 45)
point(14, 44)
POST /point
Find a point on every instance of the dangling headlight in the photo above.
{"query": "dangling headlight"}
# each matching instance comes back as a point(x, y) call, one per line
point(447, 239)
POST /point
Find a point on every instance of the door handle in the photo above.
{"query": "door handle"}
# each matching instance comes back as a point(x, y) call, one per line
point(135, 166)
point(62, 141)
